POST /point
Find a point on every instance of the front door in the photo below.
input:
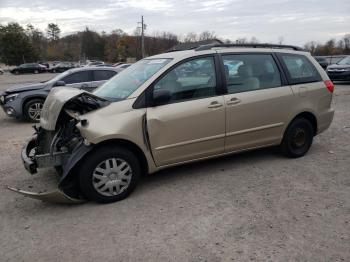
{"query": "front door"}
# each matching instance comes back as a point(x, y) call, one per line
point(192, 124)
point(257, 104)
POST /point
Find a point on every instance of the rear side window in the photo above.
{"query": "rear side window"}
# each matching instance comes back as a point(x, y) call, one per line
point(248, 72)
point(78, 77)
point(100, 75)
point(299, 69)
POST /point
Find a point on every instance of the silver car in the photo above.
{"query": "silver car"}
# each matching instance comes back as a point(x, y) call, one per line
point(27, 101)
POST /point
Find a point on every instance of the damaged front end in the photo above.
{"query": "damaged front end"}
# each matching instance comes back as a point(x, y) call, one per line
point(57, 142)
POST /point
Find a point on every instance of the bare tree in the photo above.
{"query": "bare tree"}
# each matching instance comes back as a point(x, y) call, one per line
point(241, 41)
point(206, 35)
point(191, 37)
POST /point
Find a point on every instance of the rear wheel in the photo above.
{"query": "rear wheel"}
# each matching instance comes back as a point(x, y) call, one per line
point(109, 174)
point(298, 138)
point(32, 110)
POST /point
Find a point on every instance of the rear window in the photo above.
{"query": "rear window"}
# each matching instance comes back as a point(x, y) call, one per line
point(100, 75)
point(299, 69)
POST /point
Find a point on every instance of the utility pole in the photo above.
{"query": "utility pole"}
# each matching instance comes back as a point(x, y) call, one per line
point(143, 28)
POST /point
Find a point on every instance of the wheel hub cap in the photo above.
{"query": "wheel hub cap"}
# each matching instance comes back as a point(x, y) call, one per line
point(112, 176)
point(299, 138)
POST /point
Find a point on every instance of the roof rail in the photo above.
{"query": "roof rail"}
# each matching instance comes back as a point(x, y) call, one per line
point(273, 46)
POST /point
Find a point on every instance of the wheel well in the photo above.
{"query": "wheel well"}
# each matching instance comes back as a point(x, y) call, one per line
point(128, 145)
point(309, 116)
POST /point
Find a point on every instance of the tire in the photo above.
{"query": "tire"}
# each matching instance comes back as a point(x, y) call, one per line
point(100, 184)
point(16, 73)
point(298, 138)
point(36, 71)
point(30, 110)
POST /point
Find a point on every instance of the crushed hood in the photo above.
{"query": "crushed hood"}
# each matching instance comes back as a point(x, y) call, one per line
point(55, 102)
point(27, 87)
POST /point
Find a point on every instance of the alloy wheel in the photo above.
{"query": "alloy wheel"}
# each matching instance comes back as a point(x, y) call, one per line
point(34, 111)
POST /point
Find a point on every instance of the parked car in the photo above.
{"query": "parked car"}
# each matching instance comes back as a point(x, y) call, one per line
point(322, 61)
point(33, 68)
point(94, 63)
point(44, 63)
point(148, 118)
point(109, 65)
point(340, 71)
point(122, 66)
point(61, 67)
point(27, 101)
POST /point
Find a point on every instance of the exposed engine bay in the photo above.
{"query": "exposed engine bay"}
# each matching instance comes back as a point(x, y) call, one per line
point(57, 141)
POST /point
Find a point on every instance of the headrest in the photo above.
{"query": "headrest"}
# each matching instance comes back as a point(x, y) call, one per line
point(245, 71)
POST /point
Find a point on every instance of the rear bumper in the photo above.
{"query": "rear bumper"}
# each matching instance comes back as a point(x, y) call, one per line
point(325, 120)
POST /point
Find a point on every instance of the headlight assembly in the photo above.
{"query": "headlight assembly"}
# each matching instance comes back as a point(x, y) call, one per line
point(10, 98)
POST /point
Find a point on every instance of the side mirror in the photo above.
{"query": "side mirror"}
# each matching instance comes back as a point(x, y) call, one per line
point(60, 83)
point(161, 97)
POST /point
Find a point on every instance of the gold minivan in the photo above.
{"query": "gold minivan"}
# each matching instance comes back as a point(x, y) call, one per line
point(175, 108)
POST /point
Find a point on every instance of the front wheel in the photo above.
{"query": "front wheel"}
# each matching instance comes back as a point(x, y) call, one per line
point(32, 110)
point(109, 174)
point(298, 138)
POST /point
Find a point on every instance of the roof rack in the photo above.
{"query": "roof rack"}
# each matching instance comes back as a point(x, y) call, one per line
point(273, 46)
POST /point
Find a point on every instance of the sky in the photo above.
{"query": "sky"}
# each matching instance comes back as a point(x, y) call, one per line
point(296, 21)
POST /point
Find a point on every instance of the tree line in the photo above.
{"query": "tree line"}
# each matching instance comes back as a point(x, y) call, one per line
point(20, 44)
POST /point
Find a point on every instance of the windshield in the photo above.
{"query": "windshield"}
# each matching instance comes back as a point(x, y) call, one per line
point(127, 81)
point(344, 61)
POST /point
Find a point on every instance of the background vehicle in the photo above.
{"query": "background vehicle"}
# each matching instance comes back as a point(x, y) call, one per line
point(33, 68)
point(27, 101)
point(61, 67)
point(322, 61)
point(109, 65)
point(44, 63)
point(340, 71)
point(94, 63)
point(122, 66)
point(180, 107)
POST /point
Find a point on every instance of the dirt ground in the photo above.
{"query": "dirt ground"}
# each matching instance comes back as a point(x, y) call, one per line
point(252, 206)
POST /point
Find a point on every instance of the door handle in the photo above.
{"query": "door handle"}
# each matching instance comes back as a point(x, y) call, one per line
point(233, 101)
point(215, 104)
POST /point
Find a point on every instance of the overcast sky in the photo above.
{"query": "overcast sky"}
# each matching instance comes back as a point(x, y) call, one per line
point(297, 21)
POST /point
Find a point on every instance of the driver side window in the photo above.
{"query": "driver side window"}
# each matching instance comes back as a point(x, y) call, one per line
point(193, 79)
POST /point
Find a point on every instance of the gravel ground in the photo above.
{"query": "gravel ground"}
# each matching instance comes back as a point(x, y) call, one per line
point(252, 206)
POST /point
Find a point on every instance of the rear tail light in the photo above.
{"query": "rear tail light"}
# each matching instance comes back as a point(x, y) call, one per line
point(330, 86)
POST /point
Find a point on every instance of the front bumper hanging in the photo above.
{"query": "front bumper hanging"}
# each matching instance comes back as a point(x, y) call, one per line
point(56, 196)
point(32, 162)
